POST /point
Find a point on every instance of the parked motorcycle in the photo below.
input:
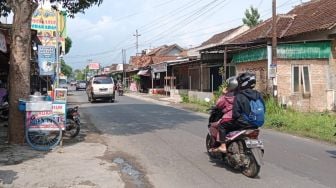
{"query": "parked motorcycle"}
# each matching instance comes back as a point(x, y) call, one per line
point(244, 149)
point(72, 122)
point(4, 107)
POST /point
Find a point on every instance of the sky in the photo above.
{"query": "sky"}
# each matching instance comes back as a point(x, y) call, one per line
point(102, 32)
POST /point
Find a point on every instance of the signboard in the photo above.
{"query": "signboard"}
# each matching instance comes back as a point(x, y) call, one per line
point(162, 67)
point(46, 59)
point(3, 44)
point(44, 20)
point(106, 70)
point(60, 94)
point(120, 67)
point(94, 66)
point(272, 71)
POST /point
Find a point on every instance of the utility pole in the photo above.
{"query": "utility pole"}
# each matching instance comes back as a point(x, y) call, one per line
point(274, 48)
point(124, 62)
point(136, 43)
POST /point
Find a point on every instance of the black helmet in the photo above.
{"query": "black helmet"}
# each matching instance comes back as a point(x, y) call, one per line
point(232, 83)
point(246, 80)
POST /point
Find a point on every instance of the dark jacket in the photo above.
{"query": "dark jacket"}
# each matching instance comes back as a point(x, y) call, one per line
point(242, 104)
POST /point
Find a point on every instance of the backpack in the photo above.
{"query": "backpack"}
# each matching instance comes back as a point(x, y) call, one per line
point(257, 114)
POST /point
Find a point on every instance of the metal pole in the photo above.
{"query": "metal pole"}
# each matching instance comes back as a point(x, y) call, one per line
point(212, 83)
point(274, 46)
point(166, 82)
point(225, 64)
point(189, 83)
point(136, 43)
point(57, 53)
point(201, 77)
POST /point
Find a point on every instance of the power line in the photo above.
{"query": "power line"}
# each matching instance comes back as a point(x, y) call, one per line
point(198, 13)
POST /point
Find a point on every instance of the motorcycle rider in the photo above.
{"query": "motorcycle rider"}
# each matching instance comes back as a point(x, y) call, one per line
point(225, 103)
point(241, 105)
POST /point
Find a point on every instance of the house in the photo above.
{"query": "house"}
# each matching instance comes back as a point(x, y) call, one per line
point(305, 76)
point(142, 64)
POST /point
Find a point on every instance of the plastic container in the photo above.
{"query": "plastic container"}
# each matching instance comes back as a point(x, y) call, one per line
point(22, 105)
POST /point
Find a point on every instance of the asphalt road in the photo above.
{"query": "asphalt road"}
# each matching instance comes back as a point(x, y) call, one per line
point(169, 146)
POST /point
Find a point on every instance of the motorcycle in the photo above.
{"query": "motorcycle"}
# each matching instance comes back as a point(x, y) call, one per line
point(120, 90)
point(244, 149)
point(72, 122)
point(4, 106)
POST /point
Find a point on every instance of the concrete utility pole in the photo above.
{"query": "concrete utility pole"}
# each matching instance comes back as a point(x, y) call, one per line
point(136, 43)
point(274, 47)
point(124, 62)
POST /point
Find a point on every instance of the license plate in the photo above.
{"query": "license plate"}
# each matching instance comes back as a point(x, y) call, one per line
point(254, 143)
point(104, 89)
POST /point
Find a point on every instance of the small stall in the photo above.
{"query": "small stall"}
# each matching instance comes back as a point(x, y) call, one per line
point(45, 119)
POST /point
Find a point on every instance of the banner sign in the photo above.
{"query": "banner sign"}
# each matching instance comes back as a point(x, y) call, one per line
point(44, 19)
point(46, 59)
point(94, 66)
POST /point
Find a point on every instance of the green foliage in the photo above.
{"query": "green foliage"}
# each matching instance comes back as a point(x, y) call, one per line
point(68, 44)
point(313, 125)
point(70, 7)
point(185, 97)
point(252, 17)
point(79, 75)
point(65, 69)
point(136, 78)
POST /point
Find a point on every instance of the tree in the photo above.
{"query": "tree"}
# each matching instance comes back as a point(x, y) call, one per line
point(19, 70)
point(65, 69)
point(252, 17)
point(68, 44)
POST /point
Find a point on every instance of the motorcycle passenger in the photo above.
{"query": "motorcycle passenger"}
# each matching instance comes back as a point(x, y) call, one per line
point(241, 106)
point(245, 94)
point(225, 103)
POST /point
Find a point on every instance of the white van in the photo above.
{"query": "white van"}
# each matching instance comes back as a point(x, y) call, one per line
point(101, 87)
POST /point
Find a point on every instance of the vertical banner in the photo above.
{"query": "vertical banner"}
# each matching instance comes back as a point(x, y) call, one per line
point(46, 59)
point(46, 21)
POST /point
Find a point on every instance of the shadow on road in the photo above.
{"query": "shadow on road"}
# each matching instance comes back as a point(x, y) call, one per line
point(130, 119)
point(7, 176)
point(333, 154)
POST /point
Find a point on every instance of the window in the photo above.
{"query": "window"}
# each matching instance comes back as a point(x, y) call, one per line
point(301, 79)
point(102, 80)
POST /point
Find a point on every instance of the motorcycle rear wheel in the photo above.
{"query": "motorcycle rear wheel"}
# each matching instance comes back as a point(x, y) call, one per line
point(75, 128)
point(252, 170)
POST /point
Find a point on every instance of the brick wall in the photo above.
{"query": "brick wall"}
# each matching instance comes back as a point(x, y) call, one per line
point(319, 79)
point(317, 101)
point(260, 69)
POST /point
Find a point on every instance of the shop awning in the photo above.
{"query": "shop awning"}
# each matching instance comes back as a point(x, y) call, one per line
point(144, 72)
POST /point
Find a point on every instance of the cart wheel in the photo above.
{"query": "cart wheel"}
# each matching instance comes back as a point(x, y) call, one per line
point(41, 138)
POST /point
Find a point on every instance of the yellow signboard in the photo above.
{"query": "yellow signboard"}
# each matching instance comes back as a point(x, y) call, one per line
point(46, 21)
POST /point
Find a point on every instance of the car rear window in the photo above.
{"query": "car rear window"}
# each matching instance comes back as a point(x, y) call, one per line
point(102, 80)
point(62, 81)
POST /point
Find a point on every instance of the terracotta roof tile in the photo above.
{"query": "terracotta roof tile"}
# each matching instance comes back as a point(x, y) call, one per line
point(311, 16)
point(217, 38)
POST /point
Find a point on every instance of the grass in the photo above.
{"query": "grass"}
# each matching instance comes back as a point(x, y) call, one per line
point(319, 126)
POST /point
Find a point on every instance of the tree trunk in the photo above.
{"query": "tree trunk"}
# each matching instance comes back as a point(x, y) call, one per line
point(19, 69)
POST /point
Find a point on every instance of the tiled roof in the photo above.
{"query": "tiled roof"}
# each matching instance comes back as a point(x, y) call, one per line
point(311, 16)
point(163, 50)
point(217, 38)
point(145, 60)
point(160, 59)
point(140, 61)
